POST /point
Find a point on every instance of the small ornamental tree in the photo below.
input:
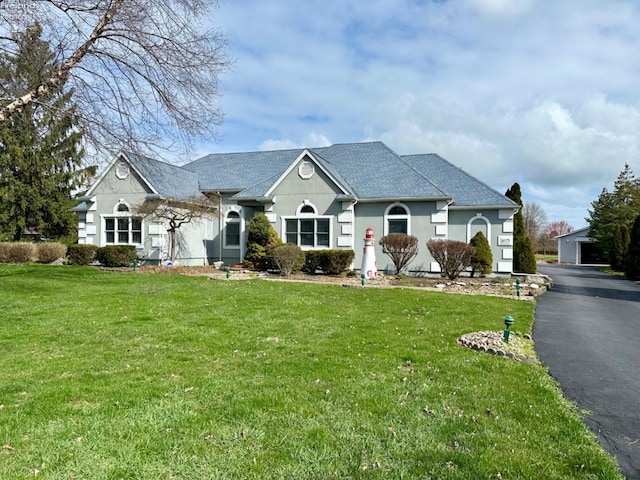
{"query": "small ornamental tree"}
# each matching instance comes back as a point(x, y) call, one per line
point(452, 256)
point(632, 263)
point(482, 259)
point(619, 246)
point(261, 239)
point(401, 248)
point(176, 212)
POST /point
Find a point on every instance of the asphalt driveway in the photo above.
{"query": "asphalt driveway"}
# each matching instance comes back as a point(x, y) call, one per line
point(587, 331)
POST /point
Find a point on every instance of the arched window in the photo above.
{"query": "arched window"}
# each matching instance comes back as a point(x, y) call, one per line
point(397, 219)
point(232, 230)
point(308, 209)
point(308, 229)
point(476, 224)
point(122, 228)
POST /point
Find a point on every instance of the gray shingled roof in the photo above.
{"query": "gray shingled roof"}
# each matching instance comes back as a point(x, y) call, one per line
point(367, 171)
point(239, 171)
point(169, 180)
point(374, 171)
point(465, 189)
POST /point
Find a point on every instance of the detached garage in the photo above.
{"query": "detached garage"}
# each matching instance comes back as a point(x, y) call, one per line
point(578, 248)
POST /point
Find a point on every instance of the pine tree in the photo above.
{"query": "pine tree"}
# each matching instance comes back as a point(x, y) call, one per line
point(621, 206)
point(40, 151)
point(524, 258)
point(619, 247)
point(632, 263)
point(482, 259)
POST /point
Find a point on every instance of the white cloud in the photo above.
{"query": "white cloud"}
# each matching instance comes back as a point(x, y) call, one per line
point(543, 93)
point(309, 141)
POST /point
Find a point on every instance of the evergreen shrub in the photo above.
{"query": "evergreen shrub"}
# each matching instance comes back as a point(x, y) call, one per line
point(619, 246)
point(81, 254)
point(632, 264)
point(49, 252)
point(482, 259)
point(116, 255)
point(331, 262)
point(261, 239)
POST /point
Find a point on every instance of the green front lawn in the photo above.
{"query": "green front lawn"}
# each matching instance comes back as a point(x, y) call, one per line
point(139, 376)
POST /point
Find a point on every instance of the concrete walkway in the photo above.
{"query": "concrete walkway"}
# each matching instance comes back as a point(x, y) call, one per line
point(587, 331)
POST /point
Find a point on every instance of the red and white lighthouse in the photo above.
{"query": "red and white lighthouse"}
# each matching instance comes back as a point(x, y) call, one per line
point(369, 267)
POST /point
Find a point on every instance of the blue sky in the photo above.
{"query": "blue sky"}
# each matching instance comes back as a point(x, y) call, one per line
point(545, 93)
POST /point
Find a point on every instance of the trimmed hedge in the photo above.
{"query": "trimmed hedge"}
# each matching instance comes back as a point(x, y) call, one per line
point(331, 262)
point(50, 252)
point(80, 254)
point(116, 255)
point(17, 252)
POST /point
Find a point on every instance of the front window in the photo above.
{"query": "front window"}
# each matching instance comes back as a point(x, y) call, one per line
point(232, 230)
point(397, 219)
point(123, 230)
point(308, 232)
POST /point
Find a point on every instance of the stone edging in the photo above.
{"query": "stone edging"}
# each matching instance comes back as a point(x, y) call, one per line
point(472, 341)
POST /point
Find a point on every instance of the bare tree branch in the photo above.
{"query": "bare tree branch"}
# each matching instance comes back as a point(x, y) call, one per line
point(144, 73)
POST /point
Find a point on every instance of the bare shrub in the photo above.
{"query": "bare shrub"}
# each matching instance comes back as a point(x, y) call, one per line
point(17, 252)
point(50, 252)
point(4, 252)
point(401, 248)
point(452, 256)
point(287, 257)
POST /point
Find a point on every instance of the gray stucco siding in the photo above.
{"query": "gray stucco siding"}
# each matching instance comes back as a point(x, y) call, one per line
point(110, 192)
point(317, 191)
point(420, 226)
point(464, 224)
point(132, 191)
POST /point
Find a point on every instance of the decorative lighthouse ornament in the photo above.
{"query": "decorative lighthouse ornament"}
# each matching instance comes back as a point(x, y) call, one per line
point(369, 265)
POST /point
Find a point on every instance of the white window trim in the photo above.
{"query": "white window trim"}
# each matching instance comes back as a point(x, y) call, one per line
point(477, 217)
point(103, 229)
point(306, 203)
point(388, 217)
point(240, 222)
point(309, 217)
point(117, 212)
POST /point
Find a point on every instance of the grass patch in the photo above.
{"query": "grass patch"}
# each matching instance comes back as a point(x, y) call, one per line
point(548, 258)
point(111, 375)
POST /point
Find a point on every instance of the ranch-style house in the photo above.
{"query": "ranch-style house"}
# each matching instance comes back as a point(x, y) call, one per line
point(317, 198)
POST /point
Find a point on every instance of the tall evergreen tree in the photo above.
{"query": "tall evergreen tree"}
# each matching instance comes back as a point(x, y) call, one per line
point(524, 258)
point(621, 206)
point(632, 263)
point(619, 246)
point(40, 146)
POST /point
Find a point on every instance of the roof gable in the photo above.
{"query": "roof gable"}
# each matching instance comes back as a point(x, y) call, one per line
point(161, 178)
point(307, 155)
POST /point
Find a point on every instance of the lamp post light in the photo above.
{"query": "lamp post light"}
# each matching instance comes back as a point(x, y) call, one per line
point(508, 321)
